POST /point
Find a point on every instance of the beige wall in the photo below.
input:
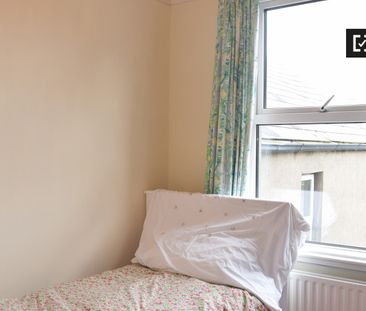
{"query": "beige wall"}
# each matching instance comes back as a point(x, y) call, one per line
point(192, 51)
point(83, 132)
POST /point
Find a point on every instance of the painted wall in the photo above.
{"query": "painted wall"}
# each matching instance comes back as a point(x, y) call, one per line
point(192, 51)
point(83, 132)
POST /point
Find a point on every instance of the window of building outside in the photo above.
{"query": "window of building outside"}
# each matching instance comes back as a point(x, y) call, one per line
point(313, 157)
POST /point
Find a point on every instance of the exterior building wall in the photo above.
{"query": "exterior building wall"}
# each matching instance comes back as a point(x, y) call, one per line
point(343, 196)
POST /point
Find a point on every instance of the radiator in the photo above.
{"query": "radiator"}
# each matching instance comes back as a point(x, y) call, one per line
point(312, 292)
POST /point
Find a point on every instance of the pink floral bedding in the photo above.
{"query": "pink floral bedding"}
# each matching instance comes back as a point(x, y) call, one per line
point(134, 287)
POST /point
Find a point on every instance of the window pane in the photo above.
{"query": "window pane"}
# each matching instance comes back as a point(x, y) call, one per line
point(321, 169)
point(306, 55)
point(306, 197)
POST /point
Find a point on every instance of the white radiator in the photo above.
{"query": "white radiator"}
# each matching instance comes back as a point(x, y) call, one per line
point(312, 292)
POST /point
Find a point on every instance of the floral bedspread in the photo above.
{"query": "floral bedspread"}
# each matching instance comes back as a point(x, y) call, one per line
point(134, 287)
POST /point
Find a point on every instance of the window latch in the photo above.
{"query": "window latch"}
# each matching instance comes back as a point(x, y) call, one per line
point(323, 108)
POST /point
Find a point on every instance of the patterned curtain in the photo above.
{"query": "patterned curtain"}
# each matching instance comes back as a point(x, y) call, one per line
point(232, 97)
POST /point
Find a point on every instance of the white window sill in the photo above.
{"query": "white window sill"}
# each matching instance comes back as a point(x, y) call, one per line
point(333, 256)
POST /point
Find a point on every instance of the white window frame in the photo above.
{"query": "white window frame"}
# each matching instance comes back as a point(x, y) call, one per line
point(329, 255)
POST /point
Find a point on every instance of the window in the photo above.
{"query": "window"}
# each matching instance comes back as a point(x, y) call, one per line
point(311, 203)
point(305, 61)
point(313, 157)
point(321, 169)
point(307, 197)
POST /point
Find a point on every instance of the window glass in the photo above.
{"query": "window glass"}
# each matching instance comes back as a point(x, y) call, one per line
point(306, 55)
point(321, 169)
point(307, 194)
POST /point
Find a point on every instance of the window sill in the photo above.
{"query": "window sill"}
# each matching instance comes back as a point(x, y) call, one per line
point(332, 256)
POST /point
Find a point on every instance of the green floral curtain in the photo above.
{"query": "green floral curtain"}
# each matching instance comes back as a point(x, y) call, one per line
point(233, 97)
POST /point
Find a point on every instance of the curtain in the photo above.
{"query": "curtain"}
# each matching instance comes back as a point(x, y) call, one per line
point(233, 96)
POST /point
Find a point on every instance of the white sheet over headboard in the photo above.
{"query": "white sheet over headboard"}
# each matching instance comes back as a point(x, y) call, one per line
point(250, 244)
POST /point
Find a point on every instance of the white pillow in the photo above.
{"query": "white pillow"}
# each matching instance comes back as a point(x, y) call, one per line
point(250, 244)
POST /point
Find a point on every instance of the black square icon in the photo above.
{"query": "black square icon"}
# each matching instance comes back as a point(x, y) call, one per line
point(356, 42)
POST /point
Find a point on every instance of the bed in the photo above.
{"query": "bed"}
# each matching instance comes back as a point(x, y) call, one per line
point(196, 252)
point(134, 287)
